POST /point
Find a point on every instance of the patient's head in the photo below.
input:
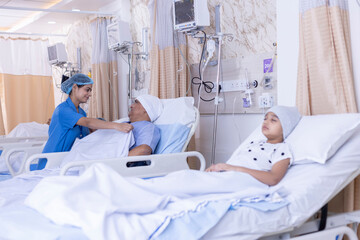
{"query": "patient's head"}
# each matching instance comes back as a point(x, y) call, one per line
point(145, 108)
point(279, 122)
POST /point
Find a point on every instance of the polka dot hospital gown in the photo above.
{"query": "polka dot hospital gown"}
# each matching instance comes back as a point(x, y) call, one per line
point(261, 155)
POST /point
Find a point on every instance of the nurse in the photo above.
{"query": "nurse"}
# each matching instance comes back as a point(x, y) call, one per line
point(69, 120)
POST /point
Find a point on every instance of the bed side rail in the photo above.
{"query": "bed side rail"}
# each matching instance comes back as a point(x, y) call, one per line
point(5, 146)
point(27, 152)
point(333, 233)
point(53, 159)
point(159, 164)
point(22, 139)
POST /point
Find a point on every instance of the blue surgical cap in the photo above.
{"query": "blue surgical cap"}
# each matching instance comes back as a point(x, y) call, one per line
point(78, 79)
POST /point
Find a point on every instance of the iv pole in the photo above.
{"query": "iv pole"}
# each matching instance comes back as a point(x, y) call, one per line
point(216, 103)
point(220, 37)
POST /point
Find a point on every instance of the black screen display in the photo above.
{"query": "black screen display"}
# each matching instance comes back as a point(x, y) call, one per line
point(184, 11)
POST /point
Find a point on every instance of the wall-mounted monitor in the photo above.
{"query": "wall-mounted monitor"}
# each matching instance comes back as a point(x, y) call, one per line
point(118, 33)
point(57, 54)
point(190, 14)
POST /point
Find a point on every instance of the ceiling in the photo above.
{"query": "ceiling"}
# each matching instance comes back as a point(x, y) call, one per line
point(23, 16)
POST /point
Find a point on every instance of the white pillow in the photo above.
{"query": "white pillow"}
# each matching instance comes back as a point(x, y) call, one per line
point(317, 138)
point(177, 110)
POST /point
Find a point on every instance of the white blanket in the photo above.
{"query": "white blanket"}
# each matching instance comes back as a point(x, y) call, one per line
point(29, 129)
point(108, 206)
point(101, 144)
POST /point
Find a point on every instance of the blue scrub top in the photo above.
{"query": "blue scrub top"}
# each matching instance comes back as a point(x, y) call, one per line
point(63, 129)
point(147, 133)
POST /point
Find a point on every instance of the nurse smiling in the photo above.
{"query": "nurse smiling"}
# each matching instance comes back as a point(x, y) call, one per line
point(69, 120)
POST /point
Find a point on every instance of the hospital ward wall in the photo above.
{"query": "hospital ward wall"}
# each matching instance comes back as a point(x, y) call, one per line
point(233, 129)
point(253, 26)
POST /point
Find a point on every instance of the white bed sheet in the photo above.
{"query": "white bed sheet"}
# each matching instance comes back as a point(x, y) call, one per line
point(301, 184)
point(307, 186)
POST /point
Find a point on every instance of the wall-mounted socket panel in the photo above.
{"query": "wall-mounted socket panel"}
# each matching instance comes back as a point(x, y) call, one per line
point(234, 75)
point(266, 101)
point(231, 86)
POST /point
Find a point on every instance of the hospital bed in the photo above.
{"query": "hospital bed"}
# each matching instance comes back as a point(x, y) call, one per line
point(24, 140)
point(325, 163)
point(177, 124)
point(14, 154)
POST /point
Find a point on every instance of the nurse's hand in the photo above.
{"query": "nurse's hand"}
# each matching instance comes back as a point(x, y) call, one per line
point(124, 127)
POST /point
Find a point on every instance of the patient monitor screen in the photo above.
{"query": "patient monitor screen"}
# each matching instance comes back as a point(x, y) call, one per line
point(113, 35)
point(52, 53)
point(184, 11)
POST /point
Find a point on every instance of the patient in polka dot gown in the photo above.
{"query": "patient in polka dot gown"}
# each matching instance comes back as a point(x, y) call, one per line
point(266, 160)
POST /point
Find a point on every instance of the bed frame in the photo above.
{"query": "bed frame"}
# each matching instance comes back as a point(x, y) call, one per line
point(327, 226)
point(29, 147)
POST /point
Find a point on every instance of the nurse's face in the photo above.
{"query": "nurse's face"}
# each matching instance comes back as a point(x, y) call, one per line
point(82, 92)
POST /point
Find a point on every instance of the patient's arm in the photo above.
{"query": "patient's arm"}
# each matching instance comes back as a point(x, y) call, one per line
point(271, 177)
point(140, 150)
point(94, 123)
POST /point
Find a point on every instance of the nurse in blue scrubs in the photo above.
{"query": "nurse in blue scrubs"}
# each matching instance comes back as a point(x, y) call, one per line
point(69, 120)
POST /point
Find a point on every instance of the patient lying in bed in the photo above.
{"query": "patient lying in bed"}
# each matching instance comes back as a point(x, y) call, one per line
point(266, 160)
point(107, 143)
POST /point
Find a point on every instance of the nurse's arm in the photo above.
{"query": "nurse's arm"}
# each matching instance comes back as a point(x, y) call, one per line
point(143, 149)
point(95, 123)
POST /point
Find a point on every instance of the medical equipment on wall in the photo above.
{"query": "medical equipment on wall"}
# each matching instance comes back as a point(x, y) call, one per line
point(190, 14)
point(191, 24)
point(118, 35)
point(58, 58)
point(266, 79)
point(247, 99)
point(57, 54)
point(120, 41)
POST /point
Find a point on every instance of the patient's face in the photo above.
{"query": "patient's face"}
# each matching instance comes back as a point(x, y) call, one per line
point(138, 112)
point(272, 128)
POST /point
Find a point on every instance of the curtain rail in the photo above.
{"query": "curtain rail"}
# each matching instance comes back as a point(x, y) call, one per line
point(56, 10)
point(34, 34)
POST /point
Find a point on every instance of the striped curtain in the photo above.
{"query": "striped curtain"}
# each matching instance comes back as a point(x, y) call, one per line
point(104, 101)
point(168, 67)
point(325, 76)
point(26, 88)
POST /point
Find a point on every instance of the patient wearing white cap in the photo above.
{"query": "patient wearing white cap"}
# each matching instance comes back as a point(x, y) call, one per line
point(266, 160)
point(143, 112)
point(142, 140)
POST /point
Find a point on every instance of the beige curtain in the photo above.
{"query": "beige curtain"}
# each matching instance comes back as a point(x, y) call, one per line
point(25, 98)
point(104, 101)
point(325, 77)
point(168, 67)
point(26, 89)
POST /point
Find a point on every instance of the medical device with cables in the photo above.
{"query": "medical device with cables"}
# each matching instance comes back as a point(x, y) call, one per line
point(190, 14)
point(120, 41)
point(57, 54)
point(187, 19)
